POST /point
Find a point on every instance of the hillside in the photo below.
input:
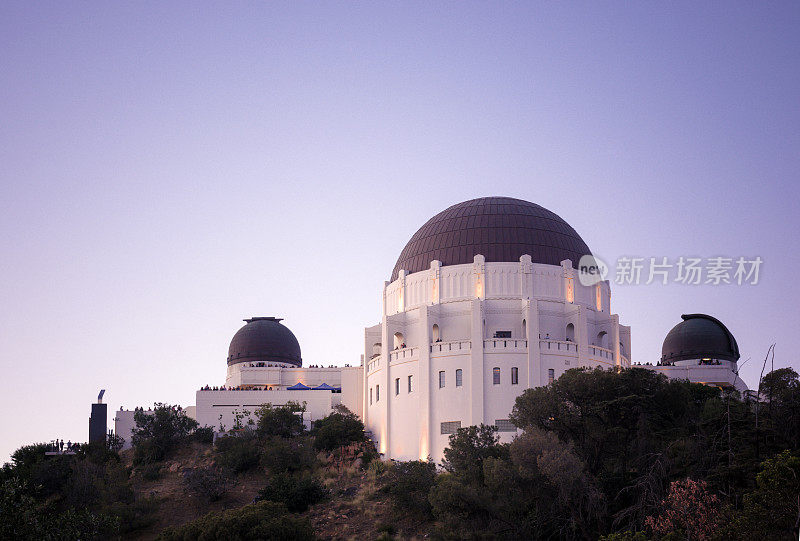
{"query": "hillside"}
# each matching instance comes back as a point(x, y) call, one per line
point(355, 509)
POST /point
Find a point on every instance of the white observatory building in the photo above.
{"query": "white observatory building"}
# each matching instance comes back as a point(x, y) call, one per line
point(483, 303)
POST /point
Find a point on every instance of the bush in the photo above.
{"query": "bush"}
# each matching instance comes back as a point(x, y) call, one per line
point(281, 455)
point(297, 492)
point(207, 483)
point(262, 520)
point(204, 434)
point(133, 516)
point(342, 427)
point(157, 432)
point(409, 484)
point(238, 453)
point(284, 421)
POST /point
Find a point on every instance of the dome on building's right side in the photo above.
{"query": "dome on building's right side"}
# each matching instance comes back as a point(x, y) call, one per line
point(502, 229)
point(699, 336)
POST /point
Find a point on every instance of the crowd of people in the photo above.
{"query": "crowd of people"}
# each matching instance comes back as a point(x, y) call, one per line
point(57, 446)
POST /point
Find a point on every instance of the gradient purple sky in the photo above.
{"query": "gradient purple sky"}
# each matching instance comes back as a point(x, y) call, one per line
point(167, 169)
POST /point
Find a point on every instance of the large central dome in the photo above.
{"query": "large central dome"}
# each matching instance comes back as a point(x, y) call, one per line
point(499, 228)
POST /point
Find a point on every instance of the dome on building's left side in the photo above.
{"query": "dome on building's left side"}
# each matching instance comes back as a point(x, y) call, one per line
point(264, 339)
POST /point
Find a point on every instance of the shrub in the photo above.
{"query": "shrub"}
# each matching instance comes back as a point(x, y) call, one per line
point(207, 483)
point(281, 455)
point(158, 431)
point(284, 421)
point(262, 520)
point(238, 453)
point(342, 427)
point(297, 492)
point(204, 434)
point(133, 516)
point(409, 484)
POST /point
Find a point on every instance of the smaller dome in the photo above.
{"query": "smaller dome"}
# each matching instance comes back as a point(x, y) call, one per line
point(699, 336)
point(264, 339)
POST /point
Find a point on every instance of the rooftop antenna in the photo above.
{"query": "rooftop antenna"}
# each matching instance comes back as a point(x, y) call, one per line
point(100, 396)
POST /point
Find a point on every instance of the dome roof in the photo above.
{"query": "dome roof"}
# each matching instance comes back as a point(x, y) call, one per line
point(499, 228)
point(699, 336)
point(264, 339)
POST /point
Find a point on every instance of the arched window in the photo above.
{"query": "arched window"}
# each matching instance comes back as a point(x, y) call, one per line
point(514, 375)
point(396, 386)
point(441, 379)
point(602, 339)
point(459, 377)
point(435, 336)
point(376, 349)
point(524, 329)
point(496, 375)
point(570, 333)
point(399, 341)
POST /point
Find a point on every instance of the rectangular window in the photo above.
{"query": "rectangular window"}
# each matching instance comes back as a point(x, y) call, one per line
point(397, 386)
point(551, 375)
point(514, 375)
point(459, 378)
point(410, 384)
point(496, 376)
point(450, 427)
point(502, 334)
point(441, 379)
point(504, 425)
point(377, 393)
point(370, 396)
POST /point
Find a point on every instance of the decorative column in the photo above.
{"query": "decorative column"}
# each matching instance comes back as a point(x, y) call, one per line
point(436, 275)
point(525, 277)
point(476, 369)
point(425, 384)
point(531, 311)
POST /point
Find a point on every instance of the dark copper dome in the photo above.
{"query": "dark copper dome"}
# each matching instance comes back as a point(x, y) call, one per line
point(699, 336)
point(499, 228)
point(264, 339)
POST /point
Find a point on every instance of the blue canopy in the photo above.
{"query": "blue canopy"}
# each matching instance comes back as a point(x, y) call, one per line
point(298, 387)
point(324, 387)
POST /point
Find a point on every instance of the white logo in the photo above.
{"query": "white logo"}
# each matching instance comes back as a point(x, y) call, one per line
point(591, 270)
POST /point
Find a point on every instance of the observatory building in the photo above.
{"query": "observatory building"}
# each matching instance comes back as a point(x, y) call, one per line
point(701, 349)
point(483, 302)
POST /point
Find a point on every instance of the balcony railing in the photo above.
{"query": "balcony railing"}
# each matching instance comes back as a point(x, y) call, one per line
point(453, 345)
point(405, 353)
point(597, 351)
point(557, 345)
point(504, 343)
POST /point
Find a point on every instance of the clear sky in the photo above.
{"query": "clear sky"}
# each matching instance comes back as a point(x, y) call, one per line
point(169, 169)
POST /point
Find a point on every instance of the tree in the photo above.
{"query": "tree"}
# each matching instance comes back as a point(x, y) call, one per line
point(772, 510)
point(409, 484)
point(157, 432)
point(688, 508)
point(342, 427)
point(284, 421)
point(468, 449)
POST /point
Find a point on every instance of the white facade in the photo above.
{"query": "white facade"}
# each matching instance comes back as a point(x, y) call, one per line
point(458, 344)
